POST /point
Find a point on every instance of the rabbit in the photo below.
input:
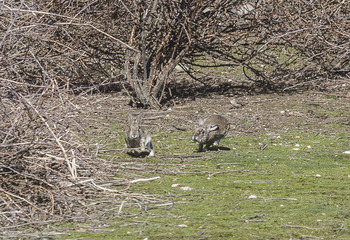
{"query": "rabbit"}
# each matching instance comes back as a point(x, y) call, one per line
point(136, 137)
point(210, 131)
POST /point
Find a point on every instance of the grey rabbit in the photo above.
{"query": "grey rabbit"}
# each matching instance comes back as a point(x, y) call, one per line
point(137, 137)
point(211, 131)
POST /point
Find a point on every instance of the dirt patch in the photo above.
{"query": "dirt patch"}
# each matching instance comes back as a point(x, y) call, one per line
point(311, 111)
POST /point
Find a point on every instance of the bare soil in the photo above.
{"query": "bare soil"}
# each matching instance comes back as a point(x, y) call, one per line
point(257, 114)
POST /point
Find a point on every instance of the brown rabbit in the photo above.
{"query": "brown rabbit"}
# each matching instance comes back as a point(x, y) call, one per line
point(136, 137)
point(211, 131)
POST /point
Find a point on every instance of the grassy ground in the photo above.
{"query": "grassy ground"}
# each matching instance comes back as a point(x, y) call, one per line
point(286, 179)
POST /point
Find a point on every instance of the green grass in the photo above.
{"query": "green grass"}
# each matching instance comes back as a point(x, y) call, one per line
point(288, 186)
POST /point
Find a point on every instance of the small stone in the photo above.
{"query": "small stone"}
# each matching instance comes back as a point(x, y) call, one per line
point(252, 197)
point(182, 226)
point(235, 104)
point(186, 188)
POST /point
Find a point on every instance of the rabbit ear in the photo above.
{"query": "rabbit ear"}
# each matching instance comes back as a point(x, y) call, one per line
point(130, 117)
point(212, 127)
point(138, 119)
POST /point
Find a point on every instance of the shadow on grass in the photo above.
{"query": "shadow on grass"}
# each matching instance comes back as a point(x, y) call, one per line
point(215, 149)
point(136, 154)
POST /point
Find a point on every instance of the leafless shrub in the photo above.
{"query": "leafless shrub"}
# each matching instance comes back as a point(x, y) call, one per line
point(306, 41)
point(46, 170)
point(137, 44)
point(277, 45)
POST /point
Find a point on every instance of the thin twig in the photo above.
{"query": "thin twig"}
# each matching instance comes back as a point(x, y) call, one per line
point(100, 31)
point(51, 131)
point(299, 226)
point(144, 179)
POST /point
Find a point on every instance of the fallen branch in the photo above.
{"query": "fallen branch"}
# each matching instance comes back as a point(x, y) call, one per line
point(304, 227)
point(121, 207)
point(287, 199)
point(144, 179)
point(97, 186)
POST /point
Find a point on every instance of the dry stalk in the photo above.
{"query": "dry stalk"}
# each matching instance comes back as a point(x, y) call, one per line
point(70, 164)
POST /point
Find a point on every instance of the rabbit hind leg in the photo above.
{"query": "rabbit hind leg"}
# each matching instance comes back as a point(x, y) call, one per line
point(216, 144)
point(200, 147)
point(149, 146)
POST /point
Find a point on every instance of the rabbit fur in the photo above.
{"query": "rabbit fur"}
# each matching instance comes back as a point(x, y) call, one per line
point(137, 137)
point(210, 131)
